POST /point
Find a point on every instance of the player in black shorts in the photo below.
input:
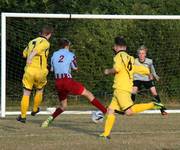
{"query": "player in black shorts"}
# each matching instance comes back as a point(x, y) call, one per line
point(147, 82)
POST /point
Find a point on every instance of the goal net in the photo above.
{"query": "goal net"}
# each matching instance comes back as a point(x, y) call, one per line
point(92, 40)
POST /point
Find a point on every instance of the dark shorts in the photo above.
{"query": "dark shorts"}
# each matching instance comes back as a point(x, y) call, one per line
point(68, 86)
point(146, 84)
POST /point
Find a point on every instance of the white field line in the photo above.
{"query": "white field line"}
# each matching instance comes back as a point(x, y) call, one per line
point(51, 110)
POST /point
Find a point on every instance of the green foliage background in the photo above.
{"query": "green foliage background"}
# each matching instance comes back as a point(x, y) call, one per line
point(92, 40)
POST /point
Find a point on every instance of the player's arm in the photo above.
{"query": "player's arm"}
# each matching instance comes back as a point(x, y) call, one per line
point(74, 63)
point(25, 52)
point(30, 57)
point(52, 68)
point(109, 71)
point(38, 49)
point(116, 67)
point(154, 72)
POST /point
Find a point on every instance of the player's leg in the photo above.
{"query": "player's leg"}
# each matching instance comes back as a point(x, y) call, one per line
point(154, 94)
point(142, 107)
point(27, 84)
point(110, 117)
point(93, 100)
point(77, 88)
point(136, 87)
point(109, 122)
point(37, 101)
point(24, 106)
point(150, 85)
point(127, 105)
point(39, 84)
point(58, 111)
point(139, 108)
point(62, 94)
point(157, 98)
point(134, 92)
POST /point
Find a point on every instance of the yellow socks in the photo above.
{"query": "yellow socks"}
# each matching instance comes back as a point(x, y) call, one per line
point(109, 124)
point(24, 105)
point(37, 101)
point(142, 107)
point(110, 120)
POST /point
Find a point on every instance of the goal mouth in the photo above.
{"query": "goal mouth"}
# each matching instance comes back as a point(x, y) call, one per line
point(92, 38)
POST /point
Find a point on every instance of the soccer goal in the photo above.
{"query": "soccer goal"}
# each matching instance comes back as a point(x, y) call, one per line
point(92, 39)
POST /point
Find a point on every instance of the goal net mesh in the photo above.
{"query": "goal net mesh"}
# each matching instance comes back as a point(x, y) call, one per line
point(92, 42)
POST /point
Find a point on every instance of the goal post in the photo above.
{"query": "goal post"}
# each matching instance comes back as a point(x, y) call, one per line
point(5, 15)
point(3, 64)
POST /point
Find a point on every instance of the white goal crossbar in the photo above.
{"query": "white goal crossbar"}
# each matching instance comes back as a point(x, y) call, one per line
point(4, 15)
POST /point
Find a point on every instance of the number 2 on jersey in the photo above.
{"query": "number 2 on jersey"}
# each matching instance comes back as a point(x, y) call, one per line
point(61, 58)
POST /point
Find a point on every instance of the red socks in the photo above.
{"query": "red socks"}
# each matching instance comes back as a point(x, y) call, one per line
point(97, 104)
point(57, 112)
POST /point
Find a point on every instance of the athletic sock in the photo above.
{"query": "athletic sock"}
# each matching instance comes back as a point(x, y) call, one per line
point(110, 120)
point(157, 98)
point(133, 97)
point(57, 112)
point(97, 104)
point(37, 101)
point(24, 105)
point(142, 107)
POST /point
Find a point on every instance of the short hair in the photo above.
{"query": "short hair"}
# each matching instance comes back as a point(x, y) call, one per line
point(119, 40)
point(142, 47)
point(46, 30)
point(63, 42)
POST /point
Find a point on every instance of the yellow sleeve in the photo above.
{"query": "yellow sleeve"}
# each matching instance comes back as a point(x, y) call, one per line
point(41, 47)
point(25, 52)
point(141, 70)
point(117, 63)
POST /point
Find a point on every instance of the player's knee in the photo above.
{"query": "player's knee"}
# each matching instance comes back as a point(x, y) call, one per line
point(110, 111)
point(40, 91)
point(88, 94)
point(63, 104)
point(63, 108)
point(129, 112)
point(26, 92)
point(154, 93)
point(135, 89)
point(85, 92)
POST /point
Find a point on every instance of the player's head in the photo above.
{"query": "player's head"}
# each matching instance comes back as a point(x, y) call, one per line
point(46, 31)
point(142, 52)
point(64, 43)
point(120, 44)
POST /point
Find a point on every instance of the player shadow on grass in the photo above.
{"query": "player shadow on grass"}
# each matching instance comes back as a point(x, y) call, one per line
point(71, 126)
point(77, 127)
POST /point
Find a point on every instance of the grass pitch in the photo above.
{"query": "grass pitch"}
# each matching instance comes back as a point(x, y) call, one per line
point(77, 132)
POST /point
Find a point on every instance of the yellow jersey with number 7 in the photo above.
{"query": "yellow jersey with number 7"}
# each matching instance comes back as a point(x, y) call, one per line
point(35, 74)
point(41, 45)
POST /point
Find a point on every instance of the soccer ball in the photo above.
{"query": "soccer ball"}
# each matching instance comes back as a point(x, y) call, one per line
point(97, 116)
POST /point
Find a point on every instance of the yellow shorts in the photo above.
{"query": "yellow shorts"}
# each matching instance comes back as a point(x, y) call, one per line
point(121, 100)
point(34, 77)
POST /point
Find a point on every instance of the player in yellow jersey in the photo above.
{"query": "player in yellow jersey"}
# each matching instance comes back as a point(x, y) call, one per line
point(35, 71)
point(123, 69)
